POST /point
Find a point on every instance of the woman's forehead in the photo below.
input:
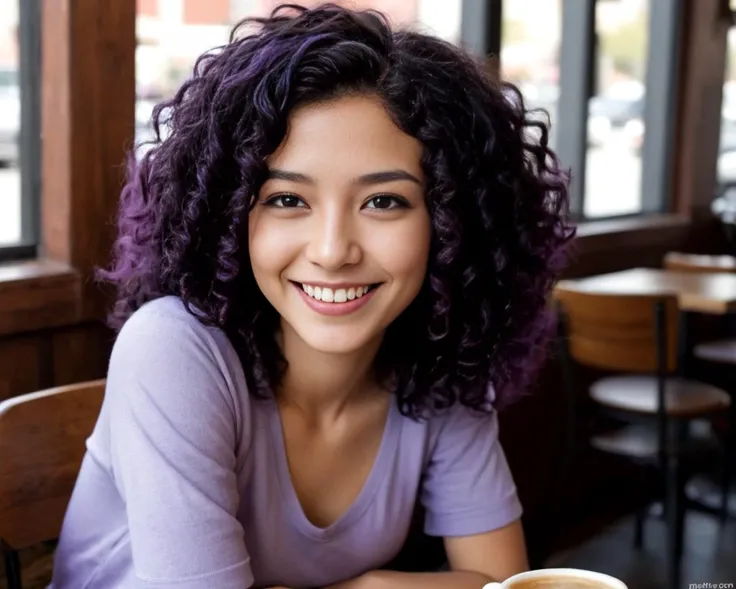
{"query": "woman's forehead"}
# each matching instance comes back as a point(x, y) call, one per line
point(352, 134)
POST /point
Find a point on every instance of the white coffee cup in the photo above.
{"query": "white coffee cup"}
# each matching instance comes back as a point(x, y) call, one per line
point(606, 582)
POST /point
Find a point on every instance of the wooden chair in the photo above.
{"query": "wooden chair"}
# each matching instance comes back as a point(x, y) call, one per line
point(718, 360)
point(636, 338)
point(719, 356)
point(42, 443)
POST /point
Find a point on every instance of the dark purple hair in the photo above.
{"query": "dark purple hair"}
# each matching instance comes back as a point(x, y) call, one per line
point(496, 196)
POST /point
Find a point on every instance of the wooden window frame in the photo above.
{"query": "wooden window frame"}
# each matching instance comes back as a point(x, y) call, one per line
point(87, 120)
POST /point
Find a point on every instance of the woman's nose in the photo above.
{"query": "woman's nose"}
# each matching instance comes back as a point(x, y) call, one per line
point(333, 243)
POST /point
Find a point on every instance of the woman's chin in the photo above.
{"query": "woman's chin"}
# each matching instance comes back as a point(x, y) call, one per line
point(340, 341)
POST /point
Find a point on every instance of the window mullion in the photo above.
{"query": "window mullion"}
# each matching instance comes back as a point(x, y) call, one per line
point(665, 17)
point(29, 26)
point(577, 55)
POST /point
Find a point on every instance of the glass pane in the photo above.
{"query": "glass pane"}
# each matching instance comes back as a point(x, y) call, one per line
point(10, 221)
point(173, 33)
point(616, 110)
point(725, 198)
point(530, 47)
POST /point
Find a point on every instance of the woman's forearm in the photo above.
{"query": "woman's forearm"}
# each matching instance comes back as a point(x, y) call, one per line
point(396, 580)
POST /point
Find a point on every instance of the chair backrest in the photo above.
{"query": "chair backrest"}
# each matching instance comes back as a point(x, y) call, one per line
point(618, 332)
point(42, 443)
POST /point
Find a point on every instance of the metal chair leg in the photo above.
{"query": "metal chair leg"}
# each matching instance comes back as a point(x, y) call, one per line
point(729, 455)
point(12, 569)
point(675, 521)
point(726, 480)
point(641, 517)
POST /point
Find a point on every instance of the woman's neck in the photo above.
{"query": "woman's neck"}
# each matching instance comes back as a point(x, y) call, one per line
point(322, 385)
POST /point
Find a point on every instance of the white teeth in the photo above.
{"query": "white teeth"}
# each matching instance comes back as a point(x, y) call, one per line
point(338, 295)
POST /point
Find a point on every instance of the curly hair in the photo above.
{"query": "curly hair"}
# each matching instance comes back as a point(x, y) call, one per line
point(496, 195)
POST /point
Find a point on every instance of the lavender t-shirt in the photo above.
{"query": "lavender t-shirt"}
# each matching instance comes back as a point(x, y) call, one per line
point(186, 485)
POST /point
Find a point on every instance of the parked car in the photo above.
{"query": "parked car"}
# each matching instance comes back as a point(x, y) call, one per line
point(726, 164)
point(9, 115)
point(618, 111)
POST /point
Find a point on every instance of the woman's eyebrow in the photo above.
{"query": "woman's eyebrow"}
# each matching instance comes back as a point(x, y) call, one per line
point(364, 180)
point(387, 176)
point(276, 174)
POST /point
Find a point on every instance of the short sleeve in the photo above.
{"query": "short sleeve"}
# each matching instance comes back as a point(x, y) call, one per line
point(173, 432)
point(467, 485)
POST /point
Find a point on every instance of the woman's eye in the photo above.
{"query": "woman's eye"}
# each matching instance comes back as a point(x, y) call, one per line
point(386, 201)
point(285, 201)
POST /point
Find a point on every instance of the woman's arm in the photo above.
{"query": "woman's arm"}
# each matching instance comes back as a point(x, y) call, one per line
point(173, 431)
point(474, 561)
point(499, 554)
point(396, 580)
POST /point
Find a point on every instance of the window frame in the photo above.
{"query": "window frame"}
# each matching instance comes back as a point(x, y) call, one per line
point(480, 27)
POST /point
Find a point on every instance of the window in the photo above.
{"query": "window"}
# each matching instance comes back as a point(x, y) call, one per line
point(530, 46)
point(603, 69)
point(615, 112)
point(173, 33)
point(9, 125)
point(725, 197)
point(9, 145)
point(19, 127)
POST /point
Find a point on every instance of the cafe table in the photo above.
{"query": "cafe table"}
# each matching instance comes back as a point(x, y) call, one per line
point(713, 294)
point(699, 262)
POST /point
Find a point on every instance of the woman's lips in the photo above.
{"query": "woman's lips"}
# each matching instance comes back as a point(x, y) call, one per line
point(335, 309)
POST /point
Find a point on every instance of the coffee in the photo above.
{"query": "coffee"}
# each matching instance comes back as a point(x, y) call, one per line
point(558, 582)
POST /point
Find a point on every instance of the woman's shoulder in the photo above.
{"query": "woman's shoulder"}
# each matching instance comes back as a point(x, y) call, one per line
point(459, 414)
point(170, 318)
point(460, 422)
point(165, 326)
point(165, 348)
point(168, 311)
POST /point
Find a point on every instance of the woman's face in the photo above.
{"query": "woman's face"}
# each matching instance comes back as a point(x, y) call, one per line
point(339, 237)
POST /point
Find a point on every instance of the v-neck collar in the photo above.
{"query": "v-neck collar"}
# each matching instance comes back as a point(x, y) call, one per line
point(357, 508)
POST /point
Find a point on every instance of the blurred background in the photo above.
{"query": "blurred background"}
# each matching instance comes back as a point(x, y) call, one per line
point(172, 33)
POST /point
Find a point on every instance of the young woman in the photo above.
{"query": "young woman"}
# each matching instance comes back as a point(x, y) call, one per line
point(338, 253)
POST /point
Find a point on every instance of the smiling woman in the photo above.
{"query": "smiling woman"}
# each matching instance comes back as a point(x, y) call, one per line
point(330, 270)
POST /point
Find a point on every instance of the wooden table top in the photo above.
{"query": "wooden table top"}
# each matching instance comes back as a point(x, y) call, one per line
point(699, 262)
point(699, 292)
